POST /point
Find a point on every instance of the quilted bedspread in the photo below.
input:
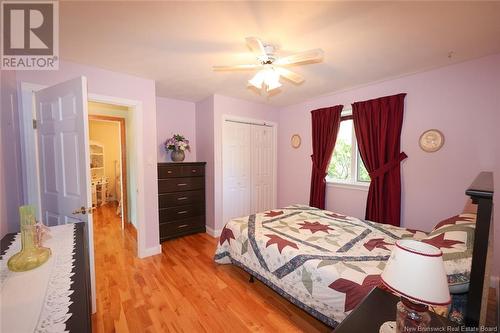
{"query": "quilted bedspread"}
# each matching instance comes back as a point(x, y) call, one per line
point(323, 262)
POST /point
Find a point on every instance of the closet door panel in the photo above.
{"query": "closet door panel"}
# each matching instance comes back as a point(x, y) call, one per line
point(236, 170)
point(262, 156)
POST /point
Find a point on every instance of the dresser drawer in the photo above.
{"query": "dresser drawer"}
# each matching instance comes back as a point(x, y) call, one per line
point(181, 212)
point(181, 226)
point(168, 171)
point(193, 170)
point(180, 198)
point(180, 184)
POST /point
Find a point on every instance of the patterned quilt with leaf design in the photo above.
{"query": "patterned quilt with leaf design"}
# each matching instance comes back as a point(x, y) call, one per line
point(323, 262)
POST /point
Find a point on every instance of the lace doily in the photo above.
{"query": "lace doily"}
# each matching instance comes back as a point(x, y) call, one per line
point(54, 277)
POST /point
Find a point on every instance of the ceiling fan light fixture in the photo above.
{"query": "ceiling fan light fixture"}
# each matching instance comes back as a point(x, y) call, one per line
point(271, 79)
point(268, 77)
point(271, 85)
point(270, 64)
point(257, 80)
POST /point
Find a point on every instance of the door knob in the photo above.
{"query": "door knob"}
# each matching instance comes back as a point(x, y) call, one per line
point(82, 210)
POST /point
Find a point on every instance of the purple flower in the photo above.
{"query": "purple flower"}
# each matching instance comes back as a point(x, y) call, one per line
point(177, 142)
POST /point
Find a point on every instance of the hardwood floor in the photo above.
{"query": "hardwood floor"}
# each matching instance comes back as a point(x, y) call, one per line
point(492, 314)
point(181, 290)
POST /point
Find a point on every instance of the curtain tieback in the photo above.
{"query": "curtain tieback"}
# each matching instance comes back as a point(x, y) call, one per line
point(388, 166)
point(315, 167)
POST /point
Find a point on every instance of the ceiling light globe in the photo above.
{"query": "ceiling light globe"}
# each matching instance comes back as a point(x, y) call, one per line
point(273, 85)
point(257, 80)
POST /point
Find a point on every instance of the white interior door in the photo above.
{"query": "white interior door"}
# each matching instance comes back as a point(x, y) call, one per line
point(64, 159)
point(236, 170)
point(262, 157)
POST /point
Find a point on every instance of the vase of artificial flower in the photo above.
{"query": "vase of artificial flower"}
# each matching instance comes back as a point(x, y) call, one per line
point(177, 155)
point(177, 144)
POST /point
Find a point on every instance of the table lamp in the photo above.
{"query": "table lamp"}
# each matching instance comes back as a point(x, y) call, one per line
point(415, 271)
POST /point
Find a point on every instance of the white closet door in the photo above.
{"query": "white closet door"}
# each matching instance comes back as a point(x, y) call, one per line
point(236, 170)
point(262, 157)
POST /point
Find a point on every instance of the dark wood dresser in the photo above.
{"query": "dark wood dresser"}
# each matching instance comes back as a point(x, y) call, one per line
point(181, 198)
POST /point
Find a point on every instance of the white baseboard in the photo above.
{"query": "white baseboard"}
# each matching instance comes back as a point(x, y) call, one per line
point(213, 232)
point(150, 251)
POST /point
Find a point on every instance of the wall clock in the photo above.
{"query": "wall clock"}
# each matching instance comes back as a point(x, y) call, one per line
point(431, 140)
point(295, 141)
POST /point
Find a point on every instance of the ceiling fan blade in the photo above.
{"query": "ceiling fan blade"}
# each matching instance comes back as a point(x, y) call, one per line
point(236, 67)
point(315, 55)
point(289, 75)
point(256, 46)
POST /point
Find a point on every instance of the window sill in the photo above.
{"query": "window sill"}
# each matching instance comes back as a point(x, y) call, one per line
point(351, 186)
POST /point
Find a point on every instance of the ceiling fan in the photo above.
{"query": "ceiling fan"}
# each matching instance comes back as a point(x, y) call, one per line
point(270, 66)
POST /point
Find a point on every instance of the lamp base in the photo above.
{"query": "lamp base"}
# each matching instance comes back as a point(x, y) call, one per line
point(411, 316)
point(388, 327)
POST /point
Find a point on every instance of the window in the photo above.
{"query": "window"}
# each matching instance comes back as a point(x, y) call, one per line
point(346, 165)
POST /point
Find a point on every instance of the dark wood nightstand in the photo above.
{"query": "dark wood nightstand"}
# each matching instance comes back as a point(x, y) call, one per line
point(377, 308)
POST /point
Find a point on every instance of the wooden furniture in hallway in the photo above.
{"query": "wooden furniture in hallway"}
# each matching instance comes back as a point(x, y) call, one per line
point(181, 199)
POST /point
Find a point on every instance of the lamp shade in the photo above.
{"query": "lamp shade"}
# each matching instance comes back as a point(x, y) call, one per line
point(415, 270)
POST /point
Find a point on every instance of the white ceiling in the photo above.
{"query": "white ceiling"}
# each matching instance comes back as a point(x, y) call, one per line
point(176, 43)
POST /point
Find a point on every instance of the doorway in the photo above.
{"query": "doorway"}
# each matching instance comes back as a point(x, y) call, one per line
point(108, 163)
point(68, 102)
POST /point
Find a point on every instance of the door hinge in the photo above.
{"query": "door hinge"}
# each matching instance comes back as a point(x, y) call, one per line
point(34, 123)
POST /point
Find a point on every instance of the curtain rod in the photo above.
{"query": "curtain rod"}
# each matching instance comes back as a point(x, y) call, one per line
point(249, 123)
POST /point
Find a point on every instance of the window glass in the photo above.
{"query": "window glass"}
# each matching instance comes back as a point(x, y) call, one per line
point(340, 165)
point(346, 165)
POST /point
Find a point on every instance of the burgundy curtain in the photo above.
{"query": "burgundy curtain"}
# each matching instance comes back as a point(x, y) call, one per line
point(325, 125)
point(377, 124)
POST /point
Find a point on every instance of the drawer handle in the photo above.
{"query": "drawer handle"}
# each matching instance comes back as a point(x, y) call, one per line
point(183, 226)
point(182, 198)
point(194, 170)
point(182, 212)
point(181, 184)
point(169, 171)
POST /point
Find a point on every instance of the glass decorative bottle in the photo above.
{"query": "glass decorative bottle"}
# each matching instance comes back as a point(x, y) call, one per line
point(32, 254)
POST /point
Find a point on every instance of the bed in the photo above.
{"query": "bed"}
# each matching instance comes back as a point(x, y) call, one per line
point(326, 263)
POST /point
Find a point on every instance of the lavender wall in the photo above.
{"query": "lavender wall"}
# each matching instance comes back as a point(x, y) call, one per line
point(174, 116)
point(3, 190)
point(350, 201)
point(119, 85)
point(461, 100)
point(11, 195)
